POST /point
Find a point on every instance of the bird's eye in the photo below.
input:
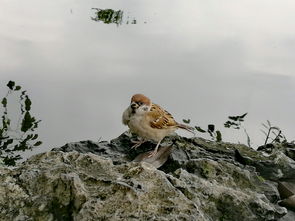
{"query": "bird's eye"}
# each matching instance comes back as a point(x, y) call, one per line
point(139, 103)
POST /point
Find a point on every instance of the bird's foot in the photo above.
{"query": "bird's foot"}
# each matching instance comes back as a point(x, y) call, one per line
point(152, 153)
point(137, 143)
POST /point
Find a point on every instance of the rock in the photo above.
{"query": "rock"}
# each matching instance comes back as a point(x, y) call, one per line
point(287, 148)
point(75, 186)
point(196, 179)
point(289, 217)
point(273, 166)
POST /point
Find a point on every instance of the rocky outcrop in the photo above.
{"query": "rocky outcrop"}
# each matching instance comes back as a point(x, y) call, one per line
point(189, 179)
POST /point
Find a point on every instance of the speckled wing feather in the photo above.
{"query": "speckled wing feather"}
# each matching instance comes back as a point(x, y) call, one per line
point(160, 118)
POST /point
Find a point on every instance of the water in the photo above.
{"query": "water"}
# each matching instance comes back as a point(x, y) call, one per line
point(203, 60)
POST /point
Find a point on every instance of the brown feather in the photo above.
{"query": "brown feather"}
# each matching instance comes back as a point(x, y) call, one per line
point(141, 98)
point(160, 118)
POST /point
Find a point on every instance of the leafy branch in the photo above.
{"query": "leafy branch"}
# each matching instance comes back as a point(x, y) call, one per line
point(236, 122)
point(273, 134)
point(23, 136)
point(214, 134)
point(108, 16)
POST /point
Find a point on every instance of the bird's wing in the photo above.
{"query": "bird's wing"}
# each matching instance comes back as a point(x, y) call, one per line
point(160, 118)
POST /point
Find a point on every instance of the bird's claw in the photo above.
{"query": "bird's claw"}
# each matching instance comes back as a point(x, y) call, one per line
point(152, 153)
point(137, 143)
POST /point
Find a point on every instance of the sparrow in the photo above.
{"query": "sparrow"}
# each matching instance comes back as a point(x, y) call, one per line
point(150, 121)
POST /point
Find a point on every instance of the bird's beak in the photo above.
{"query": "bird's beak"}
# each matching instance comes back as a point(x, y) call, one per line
point(134, 105)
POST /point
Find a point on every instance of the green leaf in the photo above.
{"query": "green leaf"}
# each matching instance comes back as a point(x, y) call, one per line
point(29, 136)
point(243, 115)
point(211, 128)
point(4, 102)
point(200, 129)
point(28, 104)
point(4, 123)
point(38, 143)
point(234, 118)
point(11, 160)
point(21, 146)
point(238, 118)
point(17, 88)
point(35, 137)
point(36, 123)
point(27, 122)
point(10, 85)
point(186, 121)
point(228, 124)
point(218, 136)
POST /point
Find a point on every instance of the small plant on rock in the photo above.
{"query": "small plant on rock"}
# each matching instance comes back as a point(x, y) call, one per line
point(214, 134)
point(273, 134)
point(21, 135)
point(236, 122)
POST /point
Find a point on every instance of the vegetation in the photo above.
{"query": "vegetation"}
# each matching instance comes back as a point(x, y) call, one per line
point(273, 134)
point(236, 122)
point(21, 135)
point(214, 134)
point(110, 16)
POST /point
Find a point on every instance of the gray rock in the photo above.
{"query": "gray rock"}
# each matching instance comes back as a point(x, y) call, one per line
point(286, 148)
point(75, 186)
point(289, 217)
point(199, 180)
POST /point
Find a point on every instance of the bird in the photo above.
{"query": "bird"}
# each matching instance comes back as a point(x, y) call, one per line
point(150, 121)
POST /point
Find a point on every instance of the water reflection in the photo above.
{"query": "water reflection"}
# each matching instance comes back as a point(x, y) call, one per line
point(207, 61)
point(110, 16)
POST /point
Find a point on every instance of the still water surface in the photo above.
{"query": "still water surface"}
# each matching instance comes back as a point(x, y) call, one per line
point(203, 60)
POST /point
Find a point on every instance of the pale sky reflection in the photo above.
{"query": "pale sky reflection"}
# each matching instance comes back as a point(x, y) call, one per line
point(203, 60)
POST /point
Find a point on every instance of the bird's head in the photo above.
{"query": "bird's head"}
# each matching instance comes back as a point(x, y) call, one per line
point(140, 103)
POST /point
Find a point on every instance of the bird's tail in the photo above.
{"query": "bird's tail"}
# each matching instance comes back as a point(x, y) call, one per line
point(186, 127)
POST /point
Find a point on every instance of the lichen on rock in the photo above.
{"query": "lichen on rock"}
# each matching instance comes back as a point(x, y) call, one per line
point(200, 180)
